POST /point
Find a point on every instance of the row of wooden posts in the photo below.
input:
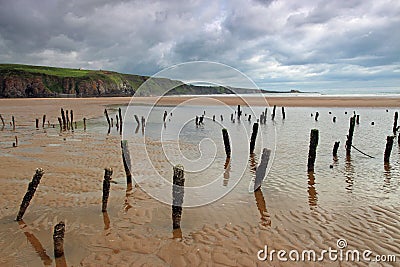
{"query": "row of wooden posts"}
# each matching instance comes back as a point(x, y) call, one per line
point(314, 135)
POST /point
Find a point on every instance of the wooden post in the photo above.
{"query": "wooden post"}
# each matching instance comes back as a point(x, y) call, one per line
point(67, 117)
point(262, 118)
point(108, 118)
point(43, 120)
point(37, 123)
point(143, 122)
point(222, 118)
point(137, 119)
point(60, 122)
point(227, 144)
point(239, 112)
point(177, 195)
point(312, 153)
point(116, 121)
point(334, 119)
point(16, 141)
point(349, 141)
point(165, 115)
point(231, 116)
point(316, 116)
point(213, 117)
point(120, 121)
point(283, 113)
point(335, 149)
point(64, 122)
point(58, 239)
point(30, 193)
point(106, 187)
point(2, 120)
point(396, 116)
point(388, 149)
point(13, 122)
point(273, 113)
point(84, 124)
point(261, 169)
point(265, 115)
point(126, 159)
point(72, 120)
point(249, 119)
point(358, 119)
point(253, 137)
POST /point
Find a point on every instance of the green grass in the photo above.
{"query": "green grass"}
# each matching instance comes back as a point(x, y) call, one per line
point(60, 72)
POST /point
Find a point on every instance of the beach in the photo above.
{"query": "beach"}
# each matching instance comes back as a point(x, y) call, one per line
point(356, 200)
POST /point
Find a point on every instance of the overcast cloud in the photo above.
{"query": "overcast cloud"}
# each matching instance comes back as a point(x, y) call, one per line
point(306, 45)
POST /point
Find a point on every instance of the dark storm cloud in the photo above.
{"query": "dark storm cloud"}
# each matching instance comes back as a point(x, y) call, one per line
point(274, 42)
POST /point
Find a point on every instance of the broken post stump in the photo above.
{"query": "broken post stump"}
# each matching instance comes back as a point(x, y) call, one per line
point(120, 117)
point(67, 117)
point(283, 113)
point(312, 153)
point(84, 124)
point(165, 115)
point(349, 141)
point(253, 137)
point(37, 123)
point(106, 187)
point(222, 118)
point(16, 141)
point(265, 116)
point(396, 116)
point(335, 149)
point(177, 195)
point(126, 158)
point(388, 149)
point(30, 193)
point(13, 122)
point(2, 120)
point(262, 168)
point(358, 119)
point(137, 119)
point(58, 239)
point(239, 112)
point(43, 120)
point(227, 144)
point(334, 119)
point(72, 119)
point(316, 116)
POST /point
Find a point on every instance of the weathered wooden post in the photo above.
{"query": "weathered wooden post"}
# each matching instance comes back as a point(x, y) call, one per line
point(106, 187)
point(126, 158)
point(222, 118)
point(261, 169)
point(108, 119)
point(116, 121)
point(283, 113)
point(120, 121)
point(334, 119)
point(13, 122)
point(64, 122)
point(232, 117)
point(67, 117)
point(358, 119)
point(197, 120)
point(60, 122)
point(349, 141)
point(177, 195)
point(262, 118)
point(316, 116)
point(43, 120)
point(165, 116)
point(335, 149)
point(249, 118)
point(2, 120)
point(84, 124)
point(388, 149)
point(137, 119)
point(273, 113)
point(227, 144)
point(265, 115)
point(396, 116)
point(58, 239)
point(239, 112)
point(72, 120)
point(37, 123)
point(253, 137)
point(213, 117)
point(16, 141)
point(30, 193)
point(312, 153)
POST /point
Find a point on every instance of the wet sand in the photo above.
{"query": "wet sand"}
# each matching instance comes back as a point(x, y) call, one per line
point(137, 229)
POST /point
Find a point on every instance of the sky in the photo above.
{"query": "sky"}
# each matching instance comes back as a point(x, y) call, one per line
point(333, 46)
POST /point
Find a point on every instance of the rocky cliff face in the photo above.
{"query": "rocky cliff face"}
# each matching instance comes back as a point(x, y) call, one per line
point(23, 85)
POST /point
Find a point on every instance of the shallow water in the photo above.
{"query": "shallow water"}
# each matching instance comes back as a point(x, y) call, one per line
point(357, 199)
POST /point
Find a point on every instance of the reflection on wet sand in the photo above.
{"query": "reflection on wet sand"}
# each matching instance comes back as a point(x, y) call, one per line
point(36, 244)
point(253, 164)
point(227, 168)
point(128, 193)
point(349, 174)
point(106, 220)
point(312, 192)
point(262, 208)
